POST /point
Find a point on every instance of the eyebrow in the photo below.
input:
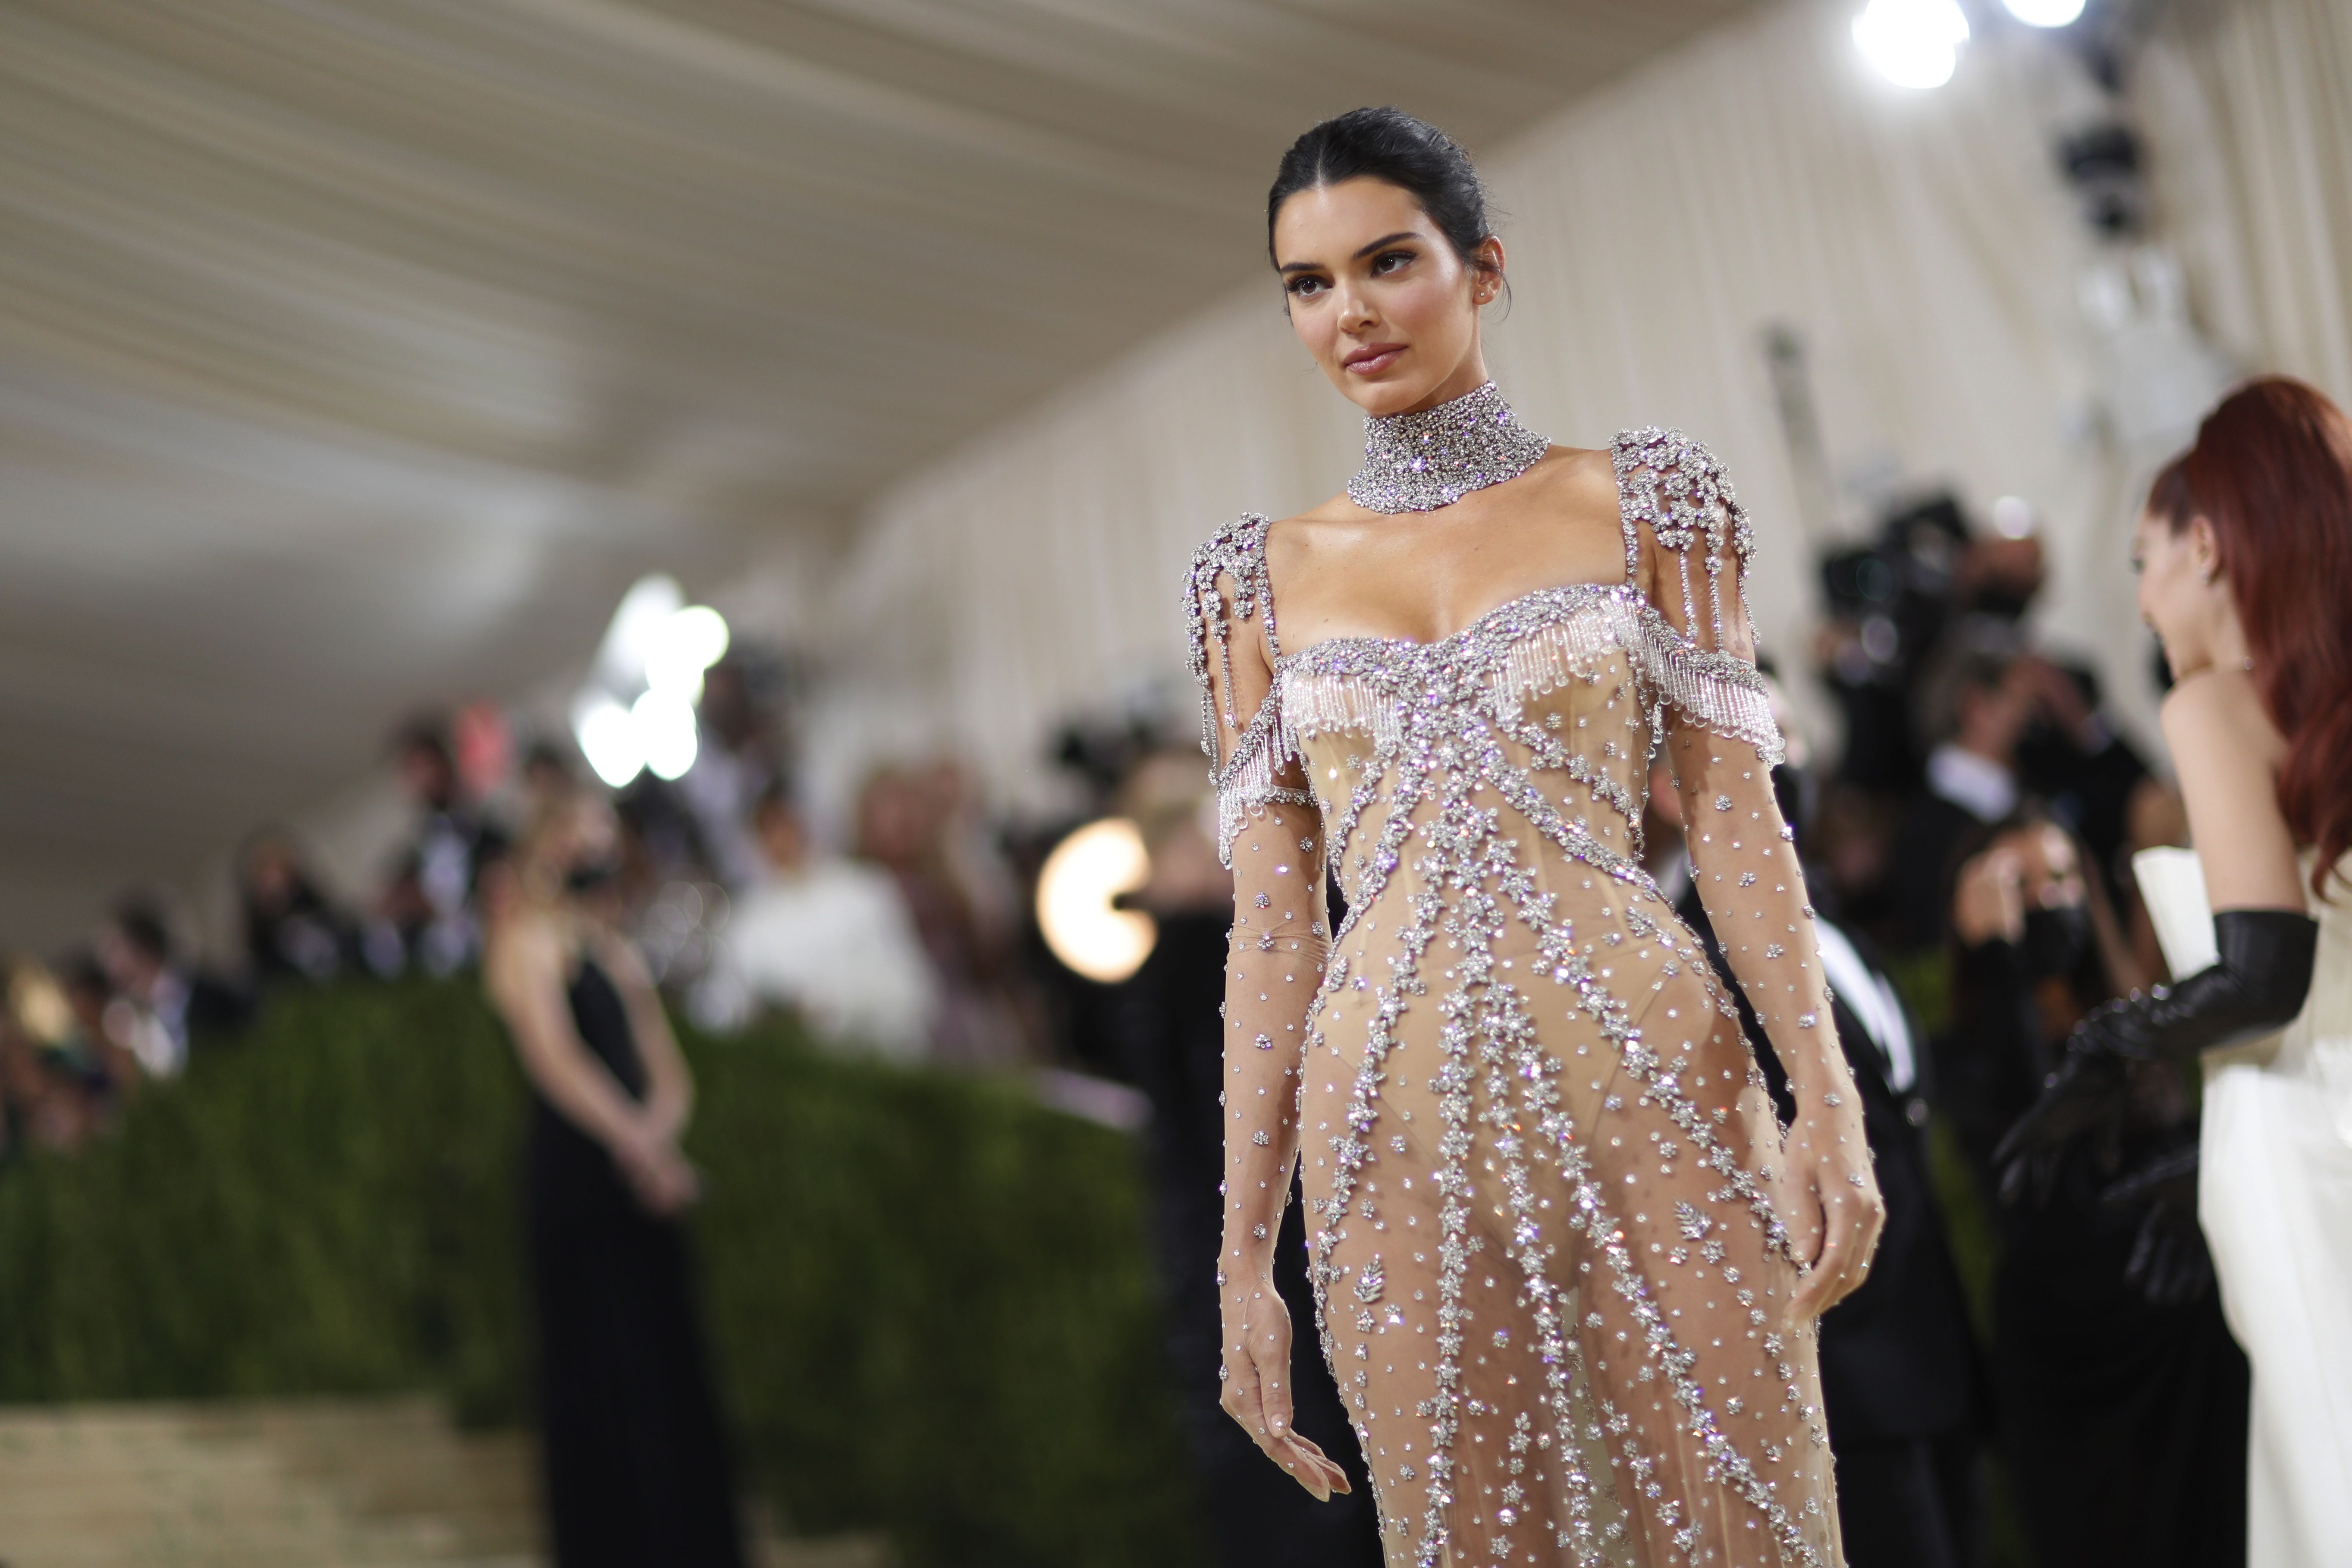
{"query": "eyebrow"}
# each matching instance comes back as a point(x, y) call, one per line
point(1366, 251)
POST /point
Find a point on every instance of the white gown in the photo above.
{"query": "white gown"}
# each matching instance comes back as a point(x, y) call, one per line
point(2275, 1200)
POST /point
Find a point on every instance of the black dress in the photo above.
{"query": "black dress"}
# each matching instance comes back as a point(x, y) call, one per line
point(2125, 1421)
point(637, 1467)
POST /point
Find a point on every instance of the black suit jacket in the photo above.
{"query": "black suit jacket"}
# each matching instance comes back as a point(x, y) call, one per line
point(1898, 1358)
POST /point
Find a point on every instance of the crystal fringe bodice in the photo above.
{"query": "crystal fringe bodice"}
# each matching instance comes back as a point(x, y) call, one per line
point(1418, 462)
point(1552, 1278)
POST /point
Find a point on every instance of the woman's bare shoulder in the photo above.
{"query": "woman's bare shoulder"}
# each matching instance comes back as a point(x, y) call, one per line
point(526, 945)
point(2227, 753)
point(2218, 713)
point(1339, 510)
point(1297, 543)
point(1580, 483)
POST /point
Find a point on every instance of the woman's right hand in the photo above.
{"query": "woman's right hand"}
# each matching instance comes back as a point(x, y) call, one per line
point(1256, 1377)
point(657, 1173)
point(1989, 897)
point(1836, 1212)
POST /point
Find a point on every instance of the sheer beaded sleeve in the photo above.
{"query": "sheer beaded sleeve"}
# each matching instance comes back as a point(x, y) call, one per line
point(1687, 543)
point(1270, 837)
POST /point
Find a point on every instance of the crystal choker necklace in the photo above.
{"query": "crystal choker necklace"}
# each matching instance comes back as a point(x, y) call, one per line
point(1418, 462)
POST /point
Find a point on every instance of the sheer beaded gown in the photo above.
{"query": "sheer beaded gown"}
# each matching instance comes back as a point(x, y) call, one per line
point(1539, 1158)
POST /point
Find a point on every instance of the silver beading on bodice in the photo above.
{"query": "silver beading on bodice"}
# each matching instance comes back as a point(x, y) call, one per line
point(1518, 652)
point(1529, 646)
point(1419, 462)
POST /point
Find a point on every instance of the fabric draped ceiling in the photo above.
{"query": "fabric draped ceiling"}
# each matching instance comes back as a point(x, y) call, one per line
point(2251, 117)
point(1921, 245)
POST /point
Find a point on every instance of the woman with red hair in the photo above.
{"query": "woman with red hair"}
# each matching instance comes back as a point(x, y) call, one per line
point(2245, 560)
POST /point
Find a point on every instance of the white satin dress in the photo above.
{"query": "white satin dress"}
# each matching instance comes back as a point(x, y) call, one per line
point(2275, 1200)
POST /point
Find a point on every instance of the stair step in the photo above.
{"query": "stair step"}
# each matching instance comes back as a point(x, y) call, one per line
point(327, 1483)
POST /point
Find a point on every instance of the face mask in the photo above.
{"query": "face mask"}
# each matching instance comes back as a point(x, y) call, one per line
point(2056, 940)
point(591, 876)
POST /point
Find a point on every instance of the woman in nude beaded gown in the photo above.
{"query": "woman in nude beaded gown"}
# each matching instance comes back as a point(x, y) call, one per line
point(1568, 1263)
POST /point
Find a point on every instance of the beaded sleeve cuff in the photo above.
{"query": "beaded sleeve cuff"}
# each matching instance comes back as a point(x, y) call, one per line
point(1249, 783)
point(1718, 691)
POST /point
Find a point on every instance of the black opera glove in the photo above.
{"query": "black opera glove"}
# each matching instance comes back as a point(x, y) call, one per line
point(2169, 1265)
point(2257, 984)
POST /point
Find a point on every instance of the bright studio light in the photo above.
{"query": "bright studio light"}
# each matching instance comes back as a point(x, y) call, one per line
point(657, 732)
point(685, 645)
point(657, 640)
point(659, 647)
point(2043, 13)
point(1913, 42)
point(664, 721)
point(1081, 877)
point(608, 739)
point(629, 643)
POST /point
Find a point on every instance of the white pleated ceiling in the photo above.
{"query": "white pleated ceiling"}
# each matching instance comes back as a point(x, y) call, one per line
point(354, 354)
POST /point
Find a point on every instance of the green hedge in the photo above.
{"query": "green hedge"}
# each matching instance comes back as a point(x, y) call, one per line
point(932, 1309)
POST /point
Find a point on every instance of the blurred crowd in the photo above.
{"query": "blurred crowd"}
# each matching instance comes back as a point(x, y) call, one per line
point(905, 943)
point(1978, 837)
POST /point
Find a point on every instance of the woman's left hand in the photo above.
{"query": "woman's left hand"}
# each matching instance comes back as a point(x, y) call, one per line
point(1837, 1210)
point(1255, 1371)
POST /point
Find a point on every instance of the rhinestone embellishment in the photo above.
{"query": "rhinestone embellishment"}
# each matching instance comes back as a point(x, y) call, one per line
point(1419, 462)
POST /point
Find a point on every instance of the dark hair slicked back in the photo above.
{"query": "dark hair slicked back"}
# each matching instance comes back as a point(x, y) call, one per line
point(1388, 145)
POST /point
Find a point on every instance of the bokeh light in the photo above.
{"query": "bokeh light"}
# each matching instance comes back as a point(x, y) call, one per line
point(1083, 875)
point(1911, 43)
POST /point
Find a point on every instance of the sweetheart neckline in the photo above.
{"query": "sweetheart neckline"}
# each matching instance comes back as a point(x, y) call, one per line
point(1586, 589)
